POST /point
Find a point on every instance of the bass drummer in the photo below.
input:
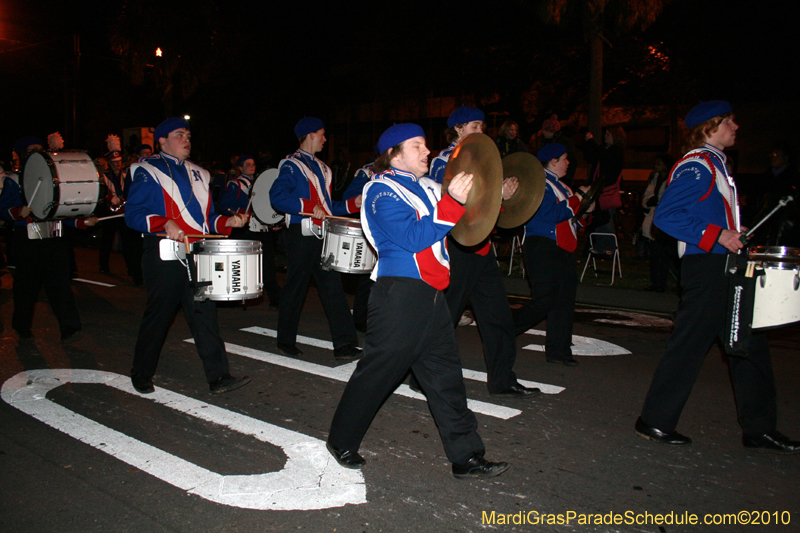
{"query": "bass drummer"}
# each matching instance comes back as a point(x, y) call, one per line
point(170, 195)
point(236, 199)
point(42, 258)
point(302, 190)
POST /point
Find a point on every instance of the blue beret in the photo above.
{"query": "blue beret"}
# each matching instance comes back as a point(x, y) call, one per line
point(21, 146)
point(243, 158)
point(307, 125)
point(397, 134)
point(142, 147)
point(464, 114)
point(706, 111)
point(170, 125)
point(550, 151)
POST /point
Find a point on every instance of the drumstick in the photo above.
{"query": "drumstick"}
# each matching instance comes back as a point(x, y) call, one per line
point(329, 216)
point(110, 217)
point(30, 200)
point(186, 242)
point(209, 236)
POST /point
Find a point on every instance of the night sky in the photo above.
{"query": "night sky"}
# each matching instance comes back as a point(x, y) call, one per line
point(274, 67)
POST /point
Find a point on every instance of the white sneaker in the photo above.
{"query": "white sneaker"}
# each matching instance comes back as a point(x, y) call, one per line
point(466, 319)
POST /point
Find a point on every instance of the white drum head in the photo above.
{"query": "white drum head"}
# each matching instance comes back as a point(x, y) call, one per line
point(262, 208)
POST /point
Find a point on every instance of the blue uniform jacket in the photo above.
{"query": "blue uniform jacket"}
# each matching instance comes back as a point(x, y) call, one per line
point(552, 219)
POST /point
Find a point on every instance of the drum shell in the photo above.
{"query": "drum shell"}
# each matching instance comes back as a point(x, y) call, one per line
point(70, 184)
point(232, 266)
point(345, 248)
point(777, 298)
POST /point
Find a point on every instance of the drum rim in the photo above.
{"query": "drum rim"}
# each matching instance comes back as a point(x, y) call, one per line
point(213, 246)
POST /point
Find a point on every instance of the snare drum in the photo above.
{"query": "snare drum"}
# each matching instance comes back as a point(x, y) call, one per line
point(62, 184)
point(262, 208)
point(344, 247)
point(777, 298)
point(232, 267)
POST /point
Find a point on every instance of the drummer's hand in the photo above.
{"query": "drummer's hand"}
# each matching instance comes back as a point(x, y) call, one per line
point(173, 231)
point(25, 211)
point(319, 212)
point(359, 200)
point(510, 186)
point(460, 186)
point(116, 200)
point(238, 220)
point(730, 239)
point(91, 221)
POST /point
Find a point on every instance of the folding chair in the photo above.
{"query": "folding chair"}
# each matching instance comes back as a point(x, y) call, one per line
point(516, 244)
point(603, 246)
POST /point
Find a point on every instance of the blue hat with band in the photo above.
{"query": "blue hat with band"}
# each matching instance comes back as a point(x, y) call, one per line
point(464, 114)
point(397, 134)
point(307, 125)
point(706, 111)
point(550, 151)
point(170, 125)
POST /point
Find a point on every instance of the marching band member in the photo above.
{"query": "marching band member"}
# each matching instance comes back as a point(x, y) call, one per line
point(550, 242)
point(475, 278)
point(700, 208)
point(304, 186)
point(170, 194)
point(405, 217)
point(39, 261)
point(235, 199)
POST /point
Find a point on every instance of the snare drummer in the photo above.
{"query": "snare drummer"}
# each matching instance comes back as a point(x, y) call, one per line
point(236, 199)
point(304, 186)
point(700, 208)
point(170, 194)
point(406, 218)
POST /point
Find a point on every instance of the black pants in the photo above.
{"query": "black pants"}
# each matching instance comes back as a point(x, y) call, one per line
point(361, 300)
point(410, 327)
point(303, 256)
point(700, 320)
point(167, 285)
point(42, 262)
point(476, 279)
point(268, 275)
point(554, 285)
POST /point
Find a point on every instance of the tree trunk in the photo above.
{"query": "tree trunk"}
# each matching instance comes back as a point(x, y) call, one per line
point(596, 85)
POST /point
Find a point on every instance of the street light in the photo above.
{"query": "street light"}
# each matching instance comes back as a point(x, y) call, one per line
point(158, 52)
point(186, 117)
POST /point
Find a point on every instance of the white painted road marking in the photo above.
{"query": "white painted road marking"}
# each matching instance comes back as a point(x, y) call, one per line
point(311, 478)
point(585, 346)
point(93, 282)
point(629, 318)
point(342, 373)
point(468, 374)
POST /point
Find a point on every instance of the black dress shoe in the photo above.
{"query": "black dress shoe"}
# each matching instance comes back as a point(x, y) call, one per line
point(565, 362)
point(347, 352)
point(289, 349)
point(518, 391)
point(142, 384)
point(772, 441)
point(347, 459)
point(228, 383)
point(649, 432)
point(479, 468)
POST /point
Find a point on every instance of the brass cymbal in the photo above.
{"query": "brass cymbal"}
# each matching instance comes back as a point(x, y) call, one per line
point(518, 209)
point(477, 155)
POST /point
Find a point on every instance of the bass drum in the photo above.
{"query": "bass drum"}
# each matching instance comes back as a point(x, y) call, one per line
point(259, 197)
point(62, 184)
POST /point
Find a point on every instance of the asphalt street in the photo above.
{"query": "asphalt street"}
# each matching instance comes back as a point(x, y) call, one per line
point(81, 451)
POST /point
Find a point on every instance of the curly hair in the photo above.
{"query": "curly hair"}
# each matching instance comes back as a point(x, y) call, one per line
point(384, 161)
point(696, 136)
point(503, 132)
